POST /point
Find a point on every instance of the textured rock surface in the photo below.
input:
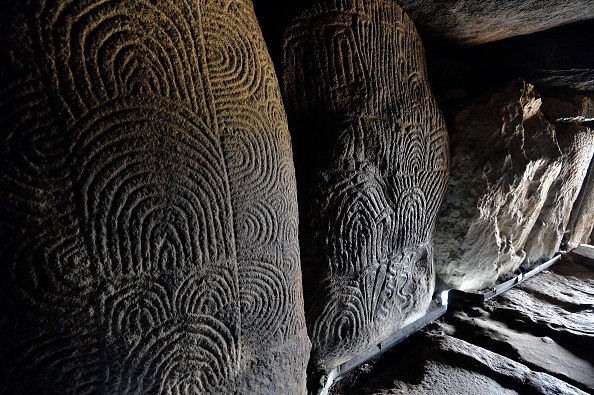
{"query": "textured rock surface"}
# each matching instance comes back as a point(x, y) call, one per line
point(149, 219)
point(582, 255)
point(372, 169)
point(504, 159)
point(533, 339)
point(559, 57)
point(470, 22)
point(577, 144)
point(581, 221)
point(457, 22)
point(579, 109)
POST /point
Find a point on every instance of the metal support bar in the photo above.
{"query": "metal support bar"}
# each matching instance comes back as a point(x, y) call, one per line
point(438, 309)
point(476, 298)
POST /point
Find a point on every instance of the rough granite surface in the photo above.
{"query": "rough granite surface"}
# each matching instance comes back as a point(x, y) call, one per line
point(581, 222)
point(577, 145)
point(537, 338)
point(148, 202)
point(372, 162)
point(505, 157)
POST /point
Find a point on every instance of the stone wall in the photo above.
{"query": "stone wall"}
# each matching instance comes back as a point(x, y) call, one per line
point(505, 157)
point(581, 222)
point(577, 145)
point(150, 240)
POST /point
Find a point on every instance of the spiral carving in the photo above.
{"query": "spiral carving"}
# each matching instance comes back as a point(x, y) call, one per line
point(377, 164)
point(149, 235)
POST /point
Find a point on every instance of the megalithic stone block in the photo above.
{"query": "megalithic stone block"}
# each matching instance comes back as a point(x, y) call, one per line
point(505, 157)
point(577, 146)
point(149, 209)
point(581, 221)
point(371, 151)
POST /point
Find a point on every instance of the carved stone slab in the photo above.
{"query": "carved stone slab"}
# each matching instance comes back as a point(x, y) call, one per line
point(149, 217)
point(372, 163)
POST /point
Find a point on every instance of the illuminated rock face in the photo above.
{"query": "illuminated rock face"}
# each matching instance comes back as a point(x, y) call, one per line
point(505, 157)
point(581, 222)
point(577, 145)
point(149, 217)
point(371, 153)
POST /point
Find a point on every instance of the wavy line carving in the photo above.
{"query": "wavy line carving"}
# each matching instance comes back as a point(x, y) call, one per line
point(149, 235)
point(375, 171)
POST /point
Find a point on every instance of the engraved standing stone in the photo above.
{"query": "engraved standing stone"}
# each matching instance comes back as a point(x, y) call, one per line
point(372, 167)
point(149, 219)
